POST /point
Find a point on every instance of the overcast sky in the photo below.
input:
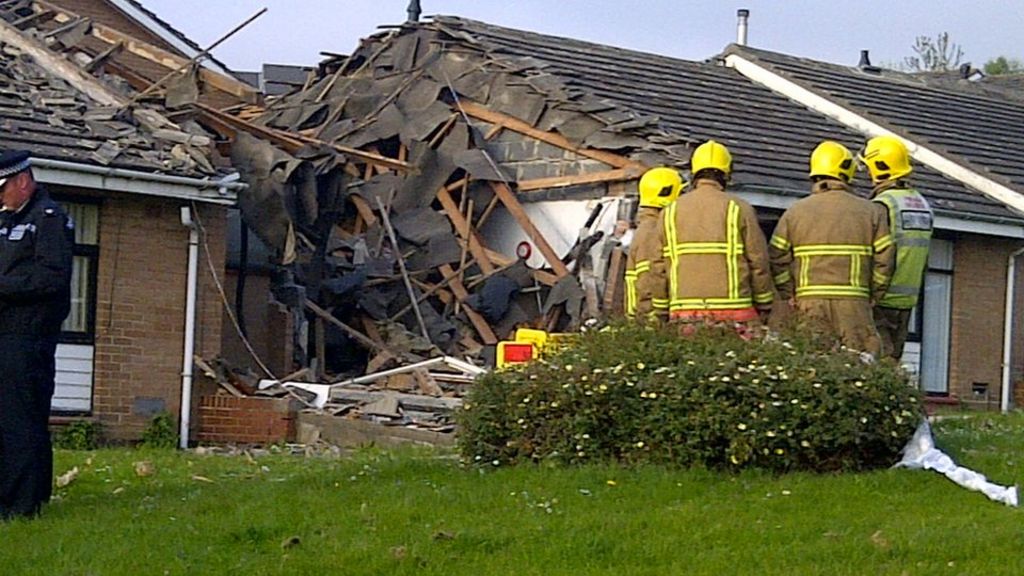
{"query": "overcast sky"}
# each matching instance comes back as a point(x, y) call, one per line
point(295, 31)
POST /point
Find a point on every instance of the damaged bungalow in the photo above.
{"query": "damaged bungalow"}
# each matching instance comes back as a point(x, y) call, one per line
point(450, 181)
point(149, 197)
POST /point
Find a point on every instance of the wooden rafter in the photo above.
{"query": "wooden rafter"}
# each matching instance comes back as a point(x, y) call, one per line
point(617, 175)
point(171, 61)
point(515, 209)
point(451, 208)
point(291, 142)
point(478, 321)
point(100, 59)
point(516, 125)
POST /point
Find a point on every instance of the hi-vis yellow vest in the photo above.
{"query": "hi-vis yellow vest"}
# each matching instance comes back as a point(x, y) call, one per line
point(910, 223)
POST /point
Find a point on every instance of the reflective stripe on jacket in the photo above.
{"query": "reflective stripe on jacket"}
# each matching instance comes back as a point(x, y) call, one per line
point(832, 244)
point(715, 254)
point(910, 222)
point(646, 291)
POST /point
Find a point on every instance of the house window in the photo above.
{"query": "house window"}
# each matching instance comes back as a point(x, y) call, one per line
point(931, 320)
point(79, 326)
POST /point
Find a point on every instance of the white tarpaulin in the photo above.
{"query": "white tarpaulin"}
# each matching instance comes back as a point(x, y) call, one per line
point(921, 453)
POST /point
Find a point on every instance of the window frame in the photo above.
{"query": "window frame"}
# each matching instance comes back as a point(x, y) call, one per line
point(92, 253)
point(916, 328)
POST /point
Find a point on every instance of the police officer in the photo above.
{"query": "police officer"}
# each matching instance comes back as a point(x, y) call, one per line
point(36, 238)
point(910, 220)
point(832, 254)
point(646, 285)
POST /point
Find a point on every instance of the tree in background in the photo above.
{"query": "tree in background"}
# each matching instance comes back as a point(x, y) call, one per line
point(934, 54)
point(1003, 65)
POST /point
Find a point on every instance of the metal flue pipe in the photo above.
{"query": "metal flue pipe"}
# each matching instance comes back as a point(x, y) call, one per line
point(742, 17)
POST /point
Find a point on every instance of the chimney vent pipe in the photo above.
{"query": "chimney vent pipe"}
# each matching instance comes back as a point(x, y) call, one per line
point(865, 60)
point(414, 10)
point(742, 15)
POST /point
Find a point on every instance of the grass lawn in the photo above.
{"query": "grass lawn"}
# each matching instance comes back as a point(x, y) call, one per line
point(419, 512)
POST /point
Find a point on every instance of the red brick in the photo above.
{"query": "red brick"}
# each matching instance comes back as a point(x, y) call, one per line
point(140, 311)
point(245, 420)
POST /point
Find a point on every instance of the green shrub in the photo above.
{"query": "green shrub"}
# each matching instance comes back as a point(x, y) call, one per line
point(638, 394)
point(79, 435)
point(160, 432)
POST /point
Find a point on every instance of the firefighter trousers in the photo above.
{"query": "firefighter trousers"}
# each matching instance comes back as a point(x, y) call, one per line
point(893, 325)
point(848, 319)
point(27, 370)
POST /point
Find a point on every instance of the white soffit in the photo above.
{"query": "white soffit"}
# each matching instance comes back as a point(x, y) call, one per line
point(822, 105)
point(133, 182)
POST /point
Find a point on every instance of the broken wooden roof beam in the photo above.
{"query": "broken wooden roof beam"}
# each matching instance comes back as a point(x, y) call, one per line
point(111, 36)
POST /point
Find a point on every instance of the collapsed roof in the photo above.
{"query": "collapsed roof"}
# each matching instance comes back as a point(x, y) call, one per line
point(72, 89)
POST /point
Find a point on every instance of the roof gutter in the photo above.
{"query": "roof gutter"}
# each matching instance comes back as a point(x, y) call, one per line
point(223, 191)
point(923, 154)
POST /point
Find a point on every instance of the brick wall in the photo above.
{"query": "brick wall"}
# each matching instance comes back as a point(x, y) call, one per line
point(979, 300)
point(140, 312)
point(252, 420)
point(267, 323)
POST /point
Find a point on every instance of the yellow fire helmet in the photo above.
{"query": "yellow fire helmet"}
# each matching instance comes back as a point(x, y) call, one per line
point(659, 187)
point(833, 160)
point(711, 155)
point(887, 158)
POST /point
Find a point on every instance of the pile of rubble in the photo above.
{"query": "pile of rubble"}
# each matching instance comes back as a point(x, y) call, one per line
point(422, 395)
point(406, 194)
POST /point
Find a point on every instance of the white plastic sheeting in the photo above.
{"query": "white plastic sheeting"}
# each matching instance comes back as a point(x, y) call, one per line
point(921, 454)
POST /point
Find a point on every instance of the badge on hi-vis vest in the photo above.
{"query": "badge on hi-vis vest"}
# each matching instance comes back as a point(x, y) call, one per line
point(916, 220)
point(914, 203)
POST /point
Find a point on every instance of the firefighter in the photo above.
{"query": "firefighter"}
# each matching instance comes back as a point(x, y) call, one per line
point(714, 252)
point(831, 253)
point(36, 240)
point(646, 287)
point(910, 222)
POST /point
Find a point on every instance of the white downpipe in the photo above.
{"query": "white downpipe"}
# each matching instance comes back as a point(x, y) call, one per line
point(1011, 293)
point(190, 325)
point(822, 105)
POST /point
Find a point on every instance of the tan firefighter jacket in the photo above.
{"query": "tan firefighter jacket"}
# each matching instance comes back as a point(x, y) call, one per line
point(832, 244)
point(714, 252)
point(646, 287)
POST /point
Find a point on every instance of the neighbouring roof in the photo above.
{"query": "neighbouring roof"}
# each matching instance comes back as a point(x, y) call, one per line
point(277, 79)
point(168, 28)
point(770, 135)
point(1007, 84)
point(979, 131)
point(970, 80)
point(45, 115)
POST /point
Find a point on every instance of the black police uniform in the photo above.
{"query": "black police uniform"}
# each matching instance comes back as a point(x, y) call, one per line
point(35, 280)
